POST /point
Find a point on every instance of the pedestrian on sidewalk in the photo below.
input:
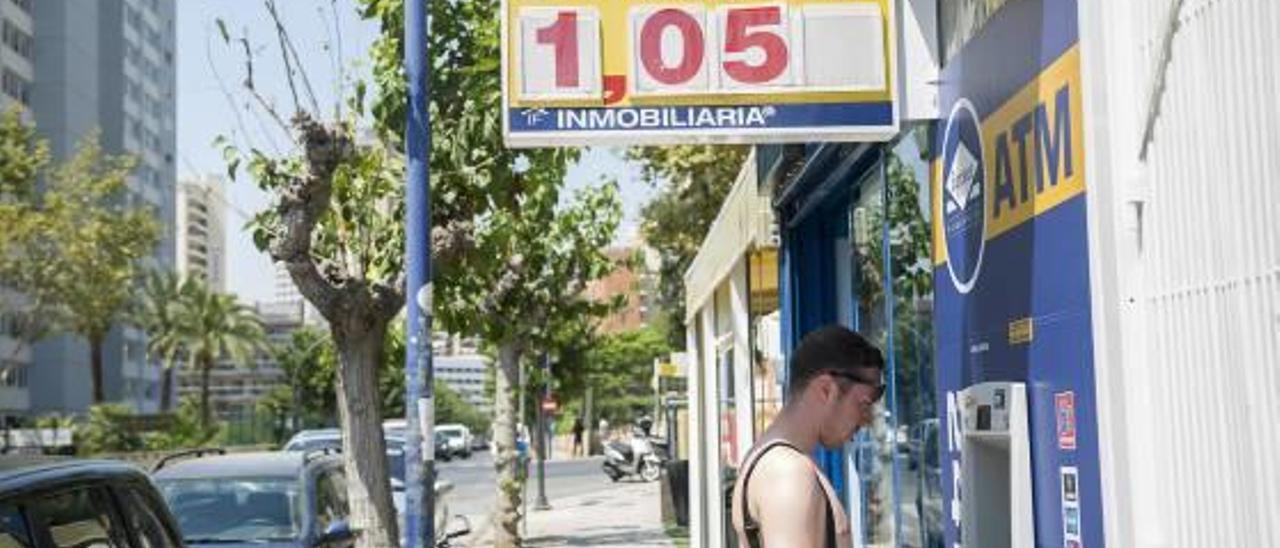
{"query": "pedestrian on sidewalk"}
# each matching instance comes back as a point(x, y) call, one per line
point(782, 499)
point(578, 429)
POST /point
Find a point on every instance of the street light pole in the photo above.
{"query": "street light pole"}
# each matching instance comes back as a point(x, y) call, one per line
point(419, 398)
point(542, 503)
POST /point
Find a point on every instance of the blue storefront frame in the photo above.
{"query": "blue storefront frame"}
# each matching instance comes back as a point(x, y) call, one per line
point(812, 207)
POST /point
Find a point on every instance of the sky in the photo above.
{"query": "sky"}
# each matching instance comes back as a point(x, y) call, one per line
point(212, 103)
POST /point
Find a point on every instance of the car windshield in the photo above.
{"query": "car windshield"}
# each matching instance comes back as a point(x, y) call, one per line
point(232, 510)
point(452, 434)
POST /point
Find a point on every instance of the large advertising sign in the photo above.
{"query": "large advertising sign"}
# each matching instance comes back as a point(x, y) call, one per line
point(623, 72)
point(1012, 261)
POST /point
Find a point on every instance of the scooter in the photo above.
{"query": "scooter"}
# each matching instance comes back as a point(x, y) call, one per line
point(640, 456)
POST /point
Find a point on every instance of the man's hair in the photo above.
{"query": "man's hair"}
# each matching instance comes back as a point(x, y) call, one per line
point(831, 348)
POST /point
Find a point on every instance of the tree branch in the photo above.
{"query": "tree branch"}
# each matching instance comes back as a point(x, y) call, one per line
point(303, 200)
point(253, 90)
point(286, 51)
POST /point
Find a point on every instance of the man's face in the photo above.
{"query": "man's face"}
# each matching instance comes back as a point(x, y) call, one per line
point(850, 406)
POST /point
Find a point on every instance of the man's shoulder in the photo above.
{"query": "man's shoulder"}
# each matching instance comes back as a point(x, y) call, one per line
point(784, 468)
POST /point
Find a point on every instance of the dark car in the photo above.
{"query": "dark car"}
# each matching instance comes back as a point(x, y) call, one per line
point(67, 503)
point(284, 499)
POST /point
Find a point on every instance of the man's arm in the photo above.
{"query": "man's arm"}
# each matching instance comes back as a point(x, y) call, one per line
point(789, 505)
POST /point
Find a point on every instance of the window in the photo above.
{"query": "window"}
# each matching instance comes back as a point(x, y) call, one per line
point(16, 87)
point(17, 40)
point(231, 510)
point(13, 374)
point(147, 527)
point(13, 528)
point(79, 519)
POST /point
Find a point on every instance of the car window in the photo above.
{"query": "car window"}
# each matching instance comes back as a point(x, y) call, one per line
point(140, 514)
point(331, 498)
point(235, 509)
point(13, 528)
point(82, 518)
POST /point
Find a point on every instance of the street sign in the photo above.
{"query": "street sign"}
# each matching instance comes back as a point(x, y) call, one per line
point(626, 72)
point(668, 369)
point(550, 406)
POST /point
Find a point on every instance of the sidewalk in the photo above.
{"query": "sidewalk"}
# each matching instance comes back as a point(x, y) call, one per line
point(625, 515)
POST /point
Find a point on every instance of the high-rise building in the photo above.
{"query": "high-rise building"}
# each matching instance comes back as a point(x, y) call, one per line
point(17, 56)
point(465, 374)
point(288, 297)
point(17, 71)
point(201, 231)
point(105, 66)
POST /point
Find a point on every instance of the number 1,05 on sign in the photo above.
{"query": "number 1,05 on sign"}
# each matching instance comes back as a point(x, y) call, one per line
point(691, 50)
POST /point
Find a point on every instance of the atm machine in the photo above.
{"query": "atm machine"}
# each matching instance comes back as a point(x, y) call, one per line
point(995, 486)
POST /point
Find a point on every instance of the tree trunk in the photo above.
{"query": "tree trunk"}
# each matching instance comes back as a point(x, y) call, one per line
point(206, 411)
point(96, 366)
point(364, 454)
point(507, 515)
point(166, 389)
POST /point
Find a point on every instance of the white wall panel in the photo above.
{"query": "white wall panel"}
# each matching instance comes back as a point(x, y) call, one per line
point(1200, 293)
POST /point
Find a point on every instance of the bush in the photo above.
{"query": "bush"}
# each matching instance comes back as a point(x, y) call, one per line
point(107, 431)
point(186, 431)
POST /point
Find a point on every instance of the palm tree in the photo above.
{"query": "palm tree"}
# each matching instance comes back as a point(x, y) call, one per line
point(164, 294)
point(214, 327)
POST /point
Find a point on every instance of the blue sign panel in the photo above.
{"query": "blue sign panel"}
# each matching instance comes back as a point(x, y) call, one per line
point(1012, 259)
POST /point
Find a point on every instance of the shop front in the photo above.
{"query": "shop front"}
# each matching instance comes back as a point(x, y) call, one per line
point(732, 316)
point(855, 233)
point(985, 205)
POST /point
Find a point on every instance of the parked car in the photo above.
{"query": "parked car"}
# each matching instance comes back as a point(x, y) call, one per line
point(51, 502)
point(459, 437)
point(444, 449)
point(306, 440)
point(279, 498)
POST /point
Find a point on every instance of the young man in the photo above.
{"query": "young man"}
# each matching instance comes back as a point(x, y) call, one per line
point(781, 499)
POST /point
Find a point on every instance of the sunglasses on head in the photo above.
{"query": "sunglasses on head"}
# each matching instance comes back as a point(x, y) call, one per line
point(878, 386)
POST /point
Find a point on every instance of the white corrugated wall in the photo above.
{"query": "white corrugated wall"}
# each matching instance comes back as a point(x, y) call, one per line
point(1186, 246)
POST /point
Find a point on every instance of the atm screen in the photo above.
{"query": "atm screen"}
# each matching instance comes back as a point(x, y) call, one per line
point(984, 417)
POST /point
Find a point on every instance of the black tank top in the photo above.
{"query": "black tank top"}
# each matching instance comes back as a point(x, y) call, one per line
point(749, 524)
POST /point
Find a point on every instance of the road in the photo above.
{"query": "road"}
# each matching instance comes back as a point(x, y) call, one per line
point(475, 485)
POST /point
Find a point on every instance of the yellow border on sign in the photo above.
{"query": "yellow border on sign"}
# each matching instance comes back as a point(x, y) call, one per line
point(1043, 90)
point(616, 56)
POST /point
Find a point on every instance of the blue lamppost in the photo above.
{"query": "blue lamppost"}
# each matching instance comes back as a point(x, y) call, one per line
point(419, 401)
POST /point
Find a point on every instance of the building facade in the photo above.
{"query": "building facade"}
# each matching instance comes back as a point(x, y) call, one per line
point(734, 360)
point(236, 388)
point(107, 67)
point(634, 282)
point(1054, 268)
point(466, 374)
point(17, 55)
point(201, 217)
point(17, 73)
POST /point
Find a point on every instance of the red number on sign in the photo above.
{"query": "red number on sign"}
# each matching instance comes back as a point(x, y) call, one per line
point(651, 47)
point(563, 34)
point(739, 40)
